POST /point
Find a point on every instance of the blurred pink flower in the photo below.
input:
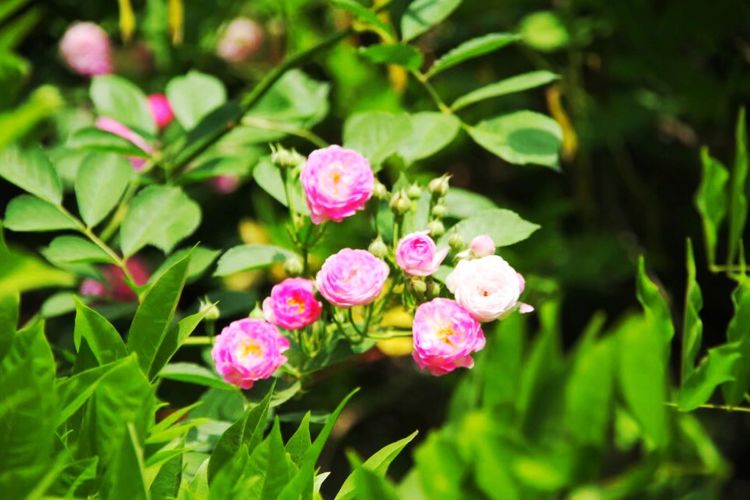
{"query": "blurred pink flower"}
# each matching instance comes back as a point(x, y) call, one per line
point(445, 336)
point(114, 127)
point(161, 110)
point(337, 183)
point(240, 40)
point(248, 350)
point(113, 286)
point(86, 50)
point(351, 278)
point(418, 255)
point(482, 246)
point(292, 304)
point(225, 184)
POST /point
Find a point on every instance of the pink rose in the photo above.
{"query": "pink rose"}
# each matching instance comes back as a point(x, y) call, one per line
point(445, 336)
point(482, 246)
point(486, 287)
point(85, 49)
point(240, 40)
point(418, 255)
point(351, 278)
point(337, 183)
point(113, 286)
point(248, 350)
point(160, 109)
point(292, 304)
point(114, 127)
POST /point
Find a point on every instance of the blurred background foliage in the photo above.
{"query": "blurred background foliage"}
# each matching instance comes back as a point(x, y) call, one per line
point(642, 86)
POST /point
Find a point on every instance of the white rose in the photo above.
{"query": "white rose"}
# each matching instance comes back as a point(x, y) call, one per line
point(487, 287)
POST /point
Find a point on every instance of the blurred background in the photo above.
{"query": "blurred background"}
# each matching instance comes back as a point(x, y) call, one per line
point(644, 84)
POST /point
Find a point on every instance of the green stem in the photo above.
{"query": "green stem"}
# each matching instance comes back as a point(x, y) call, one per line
point(389, 334)
point(199, 340)
point(265, 124)
point(422, 78)
point(709, 406)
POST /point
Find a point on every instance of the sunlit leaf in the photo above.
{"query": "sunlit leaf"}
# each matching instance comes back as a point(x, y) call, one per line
point(252, 256)
point(692, 326)
point(100, 183)
point(715, 369)
point(28, 213)
point(503, 226)
point(711, 200)
point(193, 96)
point(430, 133)
point(74, 250)
point(116, 97)
point(470, 49)
point(738, 332)
point(421, 15)
point(31, 171)
point(510, 85)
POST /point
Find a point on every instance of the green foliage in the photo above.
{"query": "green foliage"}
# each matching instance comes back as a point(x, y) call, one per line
point(692, 326)
point(28, 213)
point(470, 49)
point(183, 92)
point(397, 53)
point(65, 250)
point(421, 15)
point(711, 200)
point(507, 86)
point(118, 98)
point(101, 181)
point(503, 226)
point(253, 256)
point(32, 172)
point(738, 187)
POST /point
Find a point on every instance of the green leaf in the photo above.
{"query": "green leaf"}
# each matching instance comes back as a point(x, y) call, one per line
point(738, 198)
point(440, 468)
point(192, 373)
point(692, 326)
point(503, 226)
point(75, 390)
point(161, 216)
point(372, 486)
point(269, 461)
point(300, 441)
point(523, 137)
point(175, 337)
point(103, 339)
point(400, 54)
point(378, 464)
point(421, 15)
point(124, 478)
point(248, 257)
point(544, 31)
point(8, 321)
point(200, 261)
point(738, 332)
point(248, 432)
point(100, 183)
point(28, 411)
point(363, 14)
point(268, 177)
point(642, 376)
point(510, 85)
point(193, 96)
point(166, 484)
point(66, 250)
point(31, 171)
point(461, 203)
point(294, 99)
point(28, 213)
point(715, 369)
point(711, 200)
point(430, 133)
point(376, 135)
point(96, 140)
point(470, 49)
point(654, 305)
point(58, 304)
point(117, 98)
point(154, 315)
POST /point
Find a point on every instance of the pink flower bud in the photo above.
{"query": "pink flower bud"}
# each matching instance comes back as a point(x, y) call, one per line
point(292, 304)
point(351, 278)
point(248, 350)
point(113, 286)
point(337, 183)
point(114, 127)
point(85, 49)
point(445, 336)
point(225, 184)
point(482, 246)
point(418, 255)
point(240, 40)
point(161, 110)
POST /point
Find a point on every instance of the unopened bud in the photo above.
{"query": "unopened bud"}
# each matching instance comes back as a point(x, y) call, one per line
point(439, 210)
point(434, 289)
point(436, 228)
point(440, 185)
point(293, 266)
point(210, 310)
point(286, 158)
point(378, 248)
point(455, 241)
point(379, 191)
point(414, 192)
point(257, 312)
point(418, 285)
point(400, 203)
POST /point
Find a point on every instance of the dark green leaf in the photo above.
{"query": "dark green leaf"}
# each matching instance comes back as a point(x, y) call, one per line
point(154, 315)
point(102, 338)
point(738, 332)
point(510, 85)
point(470, 49)
point(300, 441)
point(100, 183)
point(400, 54)
point(124, 477)
point(503, 226)
point(31, 171)
point(194, 96)
point(67, 250)
point(166, 484)
point(201, 259)
point(715, 369)
point(738, 198)
point(75, 390)
point(175, 337)
point(421, 15)
point(269, 461)
point(247, 257)
point(193, 374)
point(294, 99)
point(430, 133)
point(8, 321)
point(117, 98)
point(523, 137)
point(28, 213)
point(692, 326)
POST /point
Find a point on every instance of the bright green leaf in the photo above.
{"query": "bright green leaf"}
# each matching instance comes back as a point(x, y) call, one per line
point(174, 339)
point(300, 441)
point(193, 374)
point(294, 99)
point(31, 171)
point(28, 213)
point(711, 200)
point(400, 54)
point(376, 134)
point(96, 140)
point(654, 305)
point(66, 250)
point(269, 461)
point(510, 85)
point(193, 96)
point(124, 478)
point(738, 332)
point(544, 31)
point(103, 339)
point(503, 226)
point(200, 261)
point(421, 15)
point(8, 321)
point(117, 98)
point(715, 369)
point(268, 177)
point(461, 203)
point(166, 484)
point(470, 49)
point(692, 326)
point(363, 14)
point(100, 183)
point(248, 257)
point(738, 198)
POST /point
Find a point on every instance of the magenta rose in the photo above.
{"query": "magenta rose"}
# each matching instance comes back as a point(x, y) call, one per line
point(351, 278)
point(292, 304)
point(248, 350)
point(85, 49)
point(337, 183)
point(114, 127)
point(418, 255)
point(445, 336)
point(160, 109)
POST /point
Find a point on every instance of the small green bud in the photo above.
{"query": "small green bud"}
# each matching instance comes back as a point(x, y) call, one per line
point(439, 186)
point(210, 309)
point(439, 210)
point(293, 266)
point(286, 158)
point(400, 203)
point(257, 312)
point(434, 289)
point(436, 228)
point(414, 192)
point(418, 285)
point(378, 248)
point(379, 191)
point(455, 241)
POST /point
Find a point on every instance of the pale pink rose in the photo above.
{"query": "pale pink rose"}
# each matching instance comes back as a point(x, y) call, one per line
point(337, 183)
point(114, 127)
point(292, 304)
point(482, 246)
point(240, 40)
point(160, 109)
point(445, 336)
point(85, 49)
point(113, 286)
point(351, 278)
point(486, 287)
point(418, 255)
point(225, 184)
point(248, 350)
